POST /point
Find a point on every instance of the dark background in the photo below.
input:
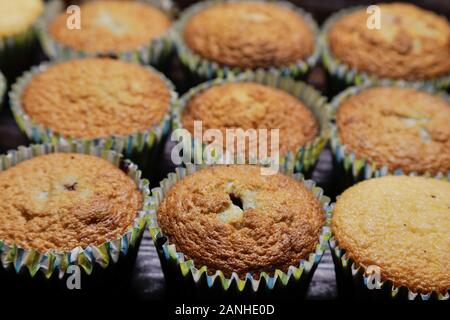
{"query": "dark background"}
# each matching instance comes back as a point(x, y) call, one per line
point(321, 9)
point(148, 282)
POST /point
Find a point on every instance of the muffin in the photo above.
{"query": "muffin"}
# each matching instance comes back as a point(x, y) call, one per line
point(260, 101)
point(106, 102)
point(411, 44)
point(21, 15)
point(382, 130)
point(234, 224)
point(62, 201)
point(126, 29)
point(398, 224)
point(252, 106)
point(276, 35)
point(60, 207)
point(17, 35)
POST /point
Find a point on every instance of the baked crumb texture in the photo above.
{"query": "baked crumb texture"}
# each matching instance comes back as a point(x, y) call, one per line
point(96, 98)
point(400, 224)
point(253, 106)
point(233, 219)
point(111, 26)
point(249, 35)
point(18, 16)
point(401, 128)
point(412, 43)
point(61, 201)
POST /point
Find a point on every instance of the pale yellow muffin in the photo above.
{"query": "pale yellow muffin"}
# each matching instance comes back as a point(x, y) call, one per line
point(233, 219)
point(62, 201)
point(400, 224)
point(18, 15)
point(111, 26)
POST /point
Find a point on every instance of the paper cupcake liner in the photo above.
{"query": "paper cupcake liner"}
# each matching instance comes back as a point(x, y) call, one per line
point(137, 146)
point(156, 52)
point(304, 159)
point(206, 69)
point(2, 89)
point(18, 259)
point(354, 168)
point(354, 282)
point(343, 75)
point(187, 273)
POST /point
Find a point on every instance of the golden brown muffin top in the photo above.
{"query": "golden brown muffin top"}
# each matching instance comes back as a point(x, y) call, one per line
point(95, 97)
point(253, 106)
point(233, 219)
point(412, 43)
point(399, 224)
point(249, 35)
point(115, 26)
point(18, 15)
point(400, 128)
point(62, 201)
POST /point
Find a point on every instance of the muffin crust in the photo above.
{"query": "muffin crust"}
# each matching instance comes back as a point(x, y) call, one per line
point(95, 97)
point(412, 43)
point(62, 201)
point(400, 128)
point(278, 225)
point(18, 15)
point(115, 26)
point(253, 106)
point(401, 225)
point(249, 35)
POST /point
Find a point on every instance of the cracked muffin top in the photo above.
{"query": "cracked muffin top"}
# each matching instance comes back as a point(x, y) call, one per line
point(111, 26)
point(250, 105)
point(249, 35)
point(233, 219)
point(96, 98)
point(400, 224)
point(18, 15)
point(401, 128)
point(411, 44)
point(62, 201)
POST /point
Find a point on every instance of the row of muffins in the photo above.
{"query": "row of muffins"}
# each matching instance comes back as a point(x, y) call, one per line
point(226, 217)
point(226, 228)
point(128, 107)
point(411, 44)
